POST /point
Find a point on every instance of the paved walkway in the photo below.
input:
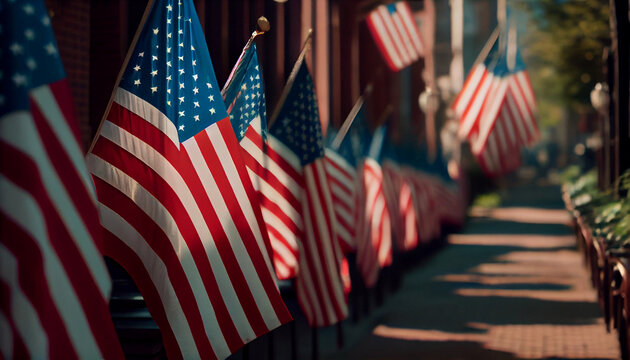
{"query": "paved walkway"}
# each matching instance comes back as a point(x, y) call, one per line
point(510, 286)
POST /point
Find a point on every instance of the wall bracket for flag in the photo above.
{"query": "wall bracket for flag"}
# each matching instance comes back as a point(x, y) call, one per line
point(343, 131)
point(134, 41)
point(291, 79)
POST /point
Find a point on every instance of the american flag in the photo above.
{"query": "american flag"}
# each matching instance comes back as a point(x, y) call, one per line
point(501, 154)
point(398, 197)
point(341, 166)
point(374, 246)
point(54, 285)
point(409, 216)
point(275, 179)
point(396, 34)
point(175, 199)
point(296, 136)
point(510, 97)
point(469, 102)
point(496, 109)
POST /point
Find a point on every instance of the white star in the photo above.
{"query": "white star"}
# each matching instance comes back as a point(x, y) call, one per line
point(212, 111)
point(194, 62)
point(136, 68)
point(181, 71)
point(16, 48)
point(30, 34)
point(169, 7)
point(196, 117)
point(29, 9)
point(136, 82)
point(195, 77)
point(168, 63)
point(251, 78)
point(181, 44)
point(154, 58)
point(168, 21)
point(168, 50)
point(141, 54)
point(192, 48)
point(156, 31)
point(244, 87)
point(45, 20)
point(168, 91)
point(169, 35)
point(153, 89)
point(50, 49)
point(190, 20)
point(181, 99)
point(246, 97)
point(181, 113)
point(195, 90)
point(31, 64)
point(196, 104)
point(179, 17)
point(168, 78)
point(209, 85)
point(154, 72)
point(181, 85)
point(180, 31)
point(168, 102)
point(211, 97)
point(181, 127)
point(181, 58)
point(19, 79)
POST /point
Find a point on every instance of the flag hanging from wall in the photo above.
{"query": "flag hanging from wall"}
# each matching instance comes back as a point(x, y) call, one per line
point(175, 199)
point(396, 34)
point(54, 285)
point(496, 108)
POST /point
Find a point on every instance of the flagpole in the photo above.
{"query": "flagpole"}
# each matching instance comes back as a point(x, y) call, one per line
point(147, 10)
point(343, 131)
point(292, 76)
point(263, 26)
point(486, 48)
point(388, 110)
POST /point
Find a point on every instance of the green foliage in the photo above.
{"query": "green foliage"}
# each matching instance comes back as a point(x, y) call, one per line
point(563, 49)
point(607, 212)
point(490, 200)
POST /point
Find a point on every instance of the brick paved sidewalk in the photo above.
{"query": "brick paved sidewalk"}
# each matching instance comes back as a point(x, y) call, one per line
point(510, 286)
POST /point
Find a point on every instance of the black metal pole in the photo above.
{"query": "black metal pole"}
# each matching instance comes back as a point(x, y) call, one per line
point(315, 344)
point(293, 341)
point(340, 339)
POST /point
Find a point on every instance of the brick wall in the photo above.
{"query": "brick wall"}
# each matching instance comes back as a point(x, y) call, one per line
point(71, 23)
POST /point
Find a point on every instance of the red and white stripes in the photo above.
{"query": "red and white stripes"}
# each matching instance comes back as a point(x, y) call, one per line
point(183, 220)
point(343, 181)
point(54, 284)
point(396, 34)
point(374, 245)
point(319, 285)
point(278, 181)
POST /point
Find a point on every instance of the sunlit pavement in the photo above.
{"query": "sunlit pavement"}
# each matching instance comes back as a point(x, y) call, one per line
point(510, 286)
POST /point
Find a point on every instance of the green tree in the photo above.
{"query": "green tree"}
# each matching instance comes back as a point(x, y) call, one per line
point(563, 49)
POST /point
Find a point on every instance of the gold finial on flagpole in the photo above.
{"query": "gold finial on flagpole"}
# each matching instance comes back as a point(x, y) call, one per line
point(263, 27)
point(263, 24)
point(291, 79)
